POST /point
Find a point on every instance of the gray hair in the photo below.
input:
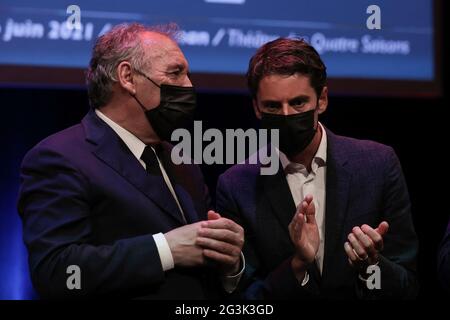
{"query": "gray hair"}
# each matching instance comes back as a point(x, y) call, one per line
point(121, 43)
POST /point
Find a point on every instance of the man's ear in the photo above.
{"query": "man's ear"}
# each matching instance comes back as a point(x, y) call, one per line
point(323, 100)
point(125, 77)
point(256, 109)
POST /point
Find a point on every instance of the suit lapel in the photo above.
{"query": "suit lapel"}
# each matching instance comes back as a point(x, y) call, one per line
point(276, 189)
point(185, 188)
point(110, 149)
point(338, 180)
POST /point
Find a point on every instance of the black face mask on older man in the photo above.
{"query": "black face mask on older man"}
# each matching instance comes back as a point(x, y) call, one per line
point(175, 110)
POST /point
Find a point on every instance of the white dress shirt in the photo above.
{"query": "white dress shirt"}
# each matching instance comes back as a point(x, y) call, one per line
point(137, 147)
point(301, 183)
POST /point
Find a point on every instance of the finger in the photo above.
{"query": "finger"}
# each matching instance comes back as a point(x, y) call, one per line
point(291, 226)
point(220, 257)
point(357, 247)
point(295, 217)
point(383, 228)
point(222, 235)
point(298, 227)
point(350, 253)
point(223, 223)
point(308, 198)
point(212, 215)
point(304, 207)
point(298, 209)
point(219, 246)
point(311, 213)
point(300, 223)
point(293, 221)
point(301, 208)
point(376, 238)
point(365, 240)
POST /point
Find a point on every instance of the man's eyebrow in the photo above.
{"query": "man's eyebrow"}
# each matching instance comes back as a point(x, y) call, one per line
point(173, 66)
point(301, 97)
point(270, 101)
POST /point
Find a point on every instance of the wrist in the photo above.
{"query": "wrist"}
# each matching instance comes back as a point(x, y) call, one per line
point(362, 271)
point(233, 270)
point(237, 268)
point(171, 242)
point(299, 267)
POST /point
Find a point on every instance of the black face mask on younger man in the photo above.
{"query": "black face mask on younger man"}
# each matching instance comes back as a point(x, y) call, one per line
point(296, 130)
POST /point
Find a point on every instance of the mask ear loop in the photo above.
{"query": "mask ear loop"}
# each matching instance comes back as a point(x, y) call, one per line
point(139, 102)
point(134, 95)
point(317, 110)
point(147, 77)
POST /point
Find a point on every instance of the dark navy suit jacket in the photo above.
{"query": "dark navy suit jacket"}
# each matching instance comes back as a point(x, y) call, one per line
point(364, 185)
point(444, 260)
point(85, 200)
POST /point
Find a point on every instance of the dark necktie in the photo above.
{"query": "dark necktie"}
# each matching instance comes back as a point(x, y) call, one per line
point(152, 167)
point(151, 162)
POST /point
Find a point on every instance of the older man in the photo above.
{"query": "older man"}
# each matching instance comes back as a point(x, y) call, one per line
point(105, 211)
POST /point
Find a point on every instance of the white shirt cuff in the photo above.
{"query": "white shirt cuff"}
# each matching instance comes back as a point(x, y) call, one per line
point(164, 251)
point(230, 283)
point(305, 279)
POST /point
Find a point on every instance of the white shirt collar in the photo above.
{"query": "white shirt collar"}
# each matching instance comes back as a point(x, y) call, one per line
point(319, 159)
point(135, 145)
